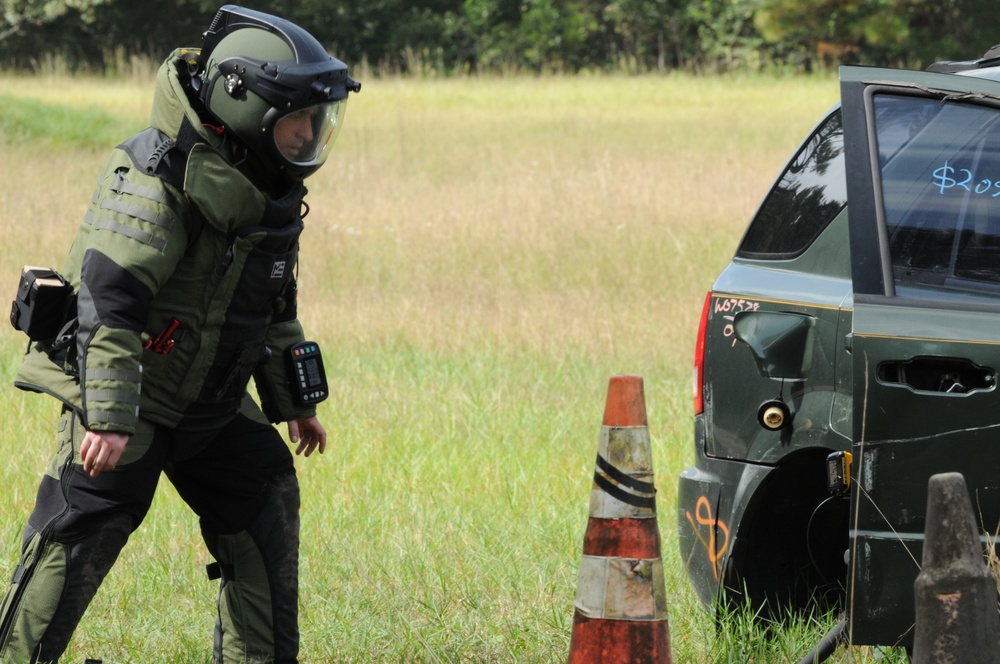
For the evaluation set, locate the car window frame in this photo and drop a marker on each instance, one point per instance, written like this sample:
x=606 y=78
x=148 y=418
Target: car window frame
x=759 y=217
x=871 y=263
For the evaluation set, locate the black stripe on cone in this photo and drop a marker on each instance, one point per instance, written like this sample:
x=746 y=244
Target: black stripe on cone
x=620 y=612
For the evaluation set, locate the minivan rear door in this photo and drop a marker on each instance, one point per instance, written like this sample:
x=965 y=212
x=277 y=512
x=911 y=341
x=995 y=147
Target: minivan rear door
x=923 y=179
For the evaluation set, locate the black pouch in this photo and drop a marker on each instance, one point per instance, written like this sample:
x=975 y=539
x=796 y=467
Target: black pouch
x=39 y=309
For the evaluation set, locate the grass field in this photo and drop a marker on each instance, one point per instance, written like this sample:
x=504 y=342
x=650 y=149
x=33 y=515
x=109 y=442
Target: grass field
x=480 y=258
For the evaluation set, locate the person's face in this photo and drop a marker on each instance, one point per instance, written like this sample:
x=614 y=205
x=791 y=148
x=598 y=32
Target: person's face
x=303 y=138
x=293 y=132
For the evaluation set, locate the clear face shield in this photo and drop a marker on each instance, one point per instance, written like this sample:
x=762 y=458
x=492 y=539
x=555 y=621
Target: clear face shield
x=304 y=137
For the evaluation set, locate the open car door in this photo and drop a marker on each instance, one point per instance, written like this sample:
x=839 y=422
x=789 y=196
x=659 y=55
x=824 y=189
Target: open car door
x=923 y=174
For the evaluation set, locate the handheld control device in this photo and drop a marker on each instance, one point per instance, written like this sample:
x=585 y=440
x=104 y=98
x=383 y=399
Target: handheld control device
x=305 y=365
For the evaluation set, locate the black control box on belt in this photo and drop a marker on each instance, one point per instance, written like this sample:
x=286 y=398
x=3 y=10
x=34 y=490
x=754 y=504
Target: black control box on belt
x=305 y=366
x=39 y=309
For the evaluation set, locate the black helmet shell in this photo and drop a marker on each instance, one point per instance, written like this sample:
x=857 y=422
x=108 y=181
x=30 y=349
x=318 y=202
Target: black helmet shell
x=261 y=69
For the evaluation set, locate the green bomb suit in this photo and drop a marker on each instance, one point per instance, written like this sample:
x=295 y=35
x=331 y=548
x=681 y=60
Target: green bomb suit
x=173 y=233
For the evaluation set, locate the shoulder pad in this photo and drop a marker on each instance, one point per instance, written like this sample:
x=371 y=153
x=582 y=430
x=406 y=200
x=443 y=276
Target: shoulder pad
x=155 y=153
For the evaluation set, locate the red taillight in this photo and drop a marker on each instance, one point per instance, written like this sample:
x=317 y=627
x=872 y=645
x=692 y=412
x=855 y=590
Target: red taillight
x=699 y=358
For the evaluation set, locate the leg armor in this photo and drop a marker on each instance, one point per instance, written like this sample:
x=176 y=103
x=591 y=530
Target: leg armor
x=258 y=596
x=73 y=537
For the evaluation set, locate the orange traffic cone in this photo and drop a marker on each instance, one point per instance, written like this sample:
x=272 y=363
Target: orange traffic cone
x=621 y=604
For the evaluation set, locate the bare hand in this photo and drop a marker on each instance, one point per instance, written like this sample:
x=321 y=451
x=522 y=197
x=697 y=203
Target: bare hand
x=100 y=451
x=308 y=433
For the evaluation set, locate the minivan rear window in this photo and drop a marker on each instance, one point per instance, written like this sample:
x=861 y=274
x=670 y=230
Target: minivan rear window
x=940 y=183
x=810 y=193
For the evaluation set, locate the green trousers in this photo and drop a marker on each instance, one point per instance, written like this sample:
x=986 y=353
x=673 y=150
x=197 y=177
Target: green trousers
x=235 y=472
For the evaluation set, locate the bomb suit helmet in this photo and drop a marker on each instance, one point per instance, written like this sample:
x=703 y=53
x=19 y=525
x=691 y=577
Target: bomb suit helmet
x=275 y=88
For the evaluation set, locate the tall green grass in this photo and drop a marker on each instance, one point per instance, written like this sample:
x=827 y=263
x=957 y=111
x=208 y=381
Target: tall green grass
x=481 y=257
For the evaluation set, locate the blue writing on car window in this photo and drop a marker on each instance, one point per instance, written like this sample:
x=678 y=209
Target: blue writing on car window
x=948 y=177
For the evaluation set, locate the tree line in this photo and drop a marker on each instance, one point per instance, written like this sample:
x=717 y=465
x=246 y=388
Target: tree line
x=449 y=37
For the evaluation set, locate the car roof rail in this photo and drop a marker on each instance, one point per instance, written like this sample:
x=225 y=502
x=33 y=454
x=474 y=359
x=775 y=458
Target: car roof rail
x=990 y=59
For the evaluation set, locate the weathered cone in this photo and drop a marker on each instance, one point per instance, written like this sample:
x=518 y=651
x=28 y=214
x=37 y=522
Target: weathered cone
x=955 y=593
x=620 y=612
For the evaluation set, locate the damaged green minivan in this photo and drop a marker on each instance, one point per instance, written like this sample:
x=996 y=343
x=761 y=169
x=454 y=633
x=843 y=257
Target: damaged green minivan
x=850 y=351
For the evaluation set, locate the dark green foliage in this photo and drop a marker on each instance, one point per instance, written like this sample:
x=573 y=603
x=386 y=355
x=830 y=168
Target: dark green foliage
x=457 y=36
x=905 y=32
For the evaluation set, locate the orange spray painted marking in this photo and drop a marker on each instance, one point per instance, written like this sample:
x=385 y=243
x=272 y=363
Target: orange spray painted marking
x=703 y=516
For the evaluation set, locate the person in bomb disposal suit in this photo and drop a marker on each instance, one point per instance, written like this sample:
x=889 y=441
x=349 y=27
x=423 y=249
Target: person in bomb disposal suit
x=182 y=277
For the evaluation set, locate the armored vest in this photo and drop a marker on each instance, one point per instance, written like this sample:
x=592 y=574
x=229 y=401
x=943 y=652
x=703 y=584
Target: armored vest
x=184 y=273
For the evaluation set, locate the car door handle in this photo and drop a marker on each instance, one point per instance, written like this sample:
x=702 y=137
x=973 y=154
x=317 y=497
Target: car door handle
x=948 y=375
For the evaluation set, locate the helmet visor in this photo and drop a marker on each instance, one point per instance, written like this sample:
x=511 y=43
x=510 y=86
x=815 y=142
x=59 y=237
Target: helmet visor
x=304 y=137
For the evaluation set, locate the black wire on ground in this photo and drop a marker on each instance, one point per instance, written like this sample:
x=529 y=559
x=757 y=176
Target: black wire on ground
x=826 y=646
